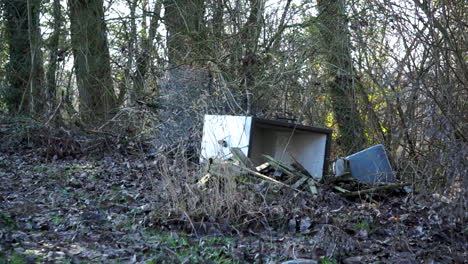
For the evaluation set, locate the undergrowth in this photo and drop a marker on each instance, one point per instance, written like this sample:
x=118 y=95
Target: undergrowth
x=223 y=197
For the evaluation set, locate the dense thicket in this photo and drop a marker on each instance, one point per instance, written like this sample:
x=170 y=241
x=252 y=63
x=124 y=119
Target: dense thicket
x=384 y=71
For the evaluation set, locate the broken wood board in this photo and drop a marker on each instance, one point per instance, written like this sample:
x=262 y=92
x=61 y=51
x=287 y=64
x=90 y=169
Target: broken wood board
x=262 y=166
x=298 y=166
x=295 y=173
x=312 y=186
x=202 y=182
x=241 y=157
x=288 y=170
x=265 y=177
x=300 y=182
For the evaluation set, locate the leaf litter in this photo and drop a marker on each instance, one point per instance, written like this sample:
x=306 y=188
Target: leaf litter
x=129 y=209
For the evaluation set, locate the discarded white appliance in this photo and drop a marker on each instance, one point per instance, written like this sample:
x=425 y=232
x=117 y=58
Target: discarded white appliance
x=284 y=141
x=370 y=166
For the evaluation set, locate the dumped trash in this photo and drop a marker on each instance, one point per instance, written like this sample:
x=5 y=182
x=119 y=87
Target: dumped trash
x=289 y=155
x=365 y=172
x=256 y=137
x=369 y=166
x=292 y=176
x=273 y=171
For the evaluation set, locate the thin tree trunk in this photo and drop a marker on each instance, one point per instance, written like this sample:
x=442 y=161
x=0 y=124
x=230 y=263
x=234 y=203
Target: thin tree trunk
x=53 y=56
x=132 y=49
x=36 y=78
x=146 y=51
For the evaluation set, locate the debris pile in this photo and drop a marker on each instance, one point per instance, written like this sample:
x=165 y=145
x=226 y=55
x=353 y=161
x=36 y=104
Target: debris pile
x=295 y=177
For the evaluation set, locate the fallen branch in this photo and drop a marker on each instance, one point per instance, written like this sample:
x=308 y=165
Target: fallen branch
x=380 y=188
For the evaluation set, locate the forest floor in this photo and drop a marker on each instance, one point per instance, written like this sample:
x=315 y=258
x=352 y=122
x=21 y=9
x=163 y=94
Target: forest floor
x=108 y=209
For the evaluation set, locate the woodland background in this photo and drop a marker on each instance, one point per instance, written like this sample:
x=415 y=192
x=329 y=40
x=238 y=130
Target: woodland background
x=82 y=77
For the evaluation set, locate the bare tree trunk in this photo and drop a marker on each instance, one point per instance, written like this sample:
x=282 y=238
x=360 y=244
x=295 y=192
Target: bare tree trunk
x=36 y=78
x=146 y=52
x=18 y=67
x=185 y=30
x=25 y=71
x=92 y=60
x=337 y=47
x=187 y=81
x=53 y=56
x=218 y=12
x=251 y=61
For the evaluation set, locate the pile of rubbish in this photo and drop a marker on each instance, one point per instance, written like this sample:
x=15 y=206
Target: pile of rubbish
x=351 y=178
x=290 y=155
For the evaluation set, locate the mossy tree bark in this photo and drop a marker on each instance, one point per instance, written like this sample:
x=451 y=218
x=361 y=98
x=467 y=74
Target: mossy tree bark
x=337 y=49
x=92 y=60
x=25 y=93
x=185 y=30
x=251 y=62
x=187 y=81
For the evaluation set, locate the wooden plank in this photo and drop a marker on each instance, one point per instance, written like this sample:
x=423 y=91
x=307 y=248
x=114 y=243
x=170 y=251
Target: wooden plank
x=241 y=157
x=300 y=182
x=262 y=166
x=312 y=186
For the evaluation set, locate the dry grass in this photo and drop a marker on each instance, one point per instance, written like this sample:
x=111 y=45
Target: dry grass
x=228 y=197
x=223 y=197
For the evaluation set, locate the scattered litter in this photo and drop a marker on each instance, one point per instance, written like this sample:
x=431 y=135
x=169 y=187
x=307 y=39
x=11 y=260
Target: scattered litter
x=290 y=155
x=441 y=198
x=292 y=177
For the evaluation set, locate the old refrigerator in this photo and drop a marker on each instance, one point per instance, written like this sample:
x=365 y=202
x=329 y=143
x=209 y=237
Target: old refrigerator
x=284 y=141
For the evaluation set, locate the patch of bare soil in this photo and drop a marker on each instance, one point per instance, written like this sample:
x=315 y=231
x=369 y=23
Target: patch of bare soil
x=115 y=209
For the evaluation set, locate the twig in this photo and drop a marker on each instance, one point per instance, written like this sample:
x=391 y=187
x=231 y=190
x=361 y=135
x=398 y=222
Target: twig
x=54 y=113
x=191 y=223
